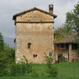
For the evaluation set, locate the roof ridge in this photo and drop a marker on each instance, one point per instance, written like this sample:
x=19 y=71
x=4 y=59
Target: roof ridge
x=32 y=9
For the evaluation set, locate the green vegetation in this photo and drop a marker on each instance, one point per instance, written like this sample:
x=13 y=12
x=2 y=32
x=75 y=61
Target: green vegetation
x=71 y=24
x=20 y=69
x=7 y=56
x=70 y=28
x=72 y=21
x=1 y=43
x=65 y=71
x=10 y=70
x=52 y=71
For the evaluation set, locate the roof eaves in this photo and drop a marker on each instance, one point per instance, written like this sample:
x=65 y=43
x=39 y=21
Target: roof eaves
x=14 y=17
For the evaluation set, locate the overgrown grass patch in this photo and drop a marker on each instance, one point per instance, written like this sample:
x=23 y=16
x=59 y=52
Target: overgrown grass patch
x=65 y=71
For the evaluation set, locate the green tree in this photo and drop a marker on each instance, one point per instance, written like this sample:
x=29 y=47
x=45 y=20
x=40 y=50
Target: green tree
x=72 y=21
x=7 y=56
x=62 y=32
x=1 y=53
x=71 y=24
x=1 y=43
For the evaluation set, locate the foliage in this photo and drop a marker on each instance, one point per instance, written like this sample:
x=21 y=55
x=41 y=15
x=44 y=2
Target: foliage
x=18 y=69
x=51 y=69
x=49 y=59
x=58 y=33
x=70 y=27
x=2 y=66
x=72 y=18
x=21 y=69
x=1 y=43
x=28 y=65
x=65 y=70
x=62 y=31
x=72 y=21
x=7 y=56
x=71 y=24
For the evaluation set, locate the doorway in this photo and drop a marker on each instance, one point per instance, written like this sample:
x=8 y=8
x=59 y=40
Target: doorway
x=61 y=58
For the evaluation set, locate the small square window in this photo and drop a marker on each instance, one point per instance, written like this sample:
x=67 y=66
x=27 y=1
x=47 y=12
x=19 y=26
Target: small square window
x=29 y=45
x=50 y=53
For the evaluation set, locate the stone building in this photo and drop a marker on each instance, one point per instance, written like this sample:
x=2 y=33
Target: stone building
x=34 y=35
x=65 y=48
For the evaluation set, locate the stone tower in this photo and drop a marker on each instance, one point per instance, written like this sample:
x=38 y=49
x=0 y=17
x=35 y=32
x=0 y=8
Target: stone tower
x=34 y=35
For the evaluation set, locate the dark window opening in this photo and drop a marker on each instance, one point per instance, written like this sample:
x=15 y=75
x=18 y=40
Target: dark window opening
x=63 y=46
x=50 y=54
x=74 y=46
x=29 y=45
x=61 y=58
x=34 y=55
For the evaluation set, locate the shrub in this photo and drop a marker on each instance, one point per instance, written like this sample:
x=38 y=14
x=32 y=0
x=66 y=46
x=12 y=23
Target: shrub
x=28 y=68
x=52 y=71
x=34 y=73
x=18 y=69
x=28 y=65
x=2 y=70
x=21 y=68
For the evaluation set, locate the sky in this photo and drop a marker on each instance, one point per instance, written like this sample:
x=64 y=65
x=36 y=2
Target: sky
x=8 y=8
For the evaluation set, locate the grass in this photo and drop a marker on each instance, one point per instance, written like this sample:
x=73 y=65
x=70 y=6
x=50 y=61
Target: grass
x=68 y=70
x=65 y=71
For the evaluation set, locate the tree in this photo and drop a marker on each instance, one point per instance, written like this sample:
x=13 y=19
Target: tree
x=70 y=27
x=1 y=43
x=72 y=21
x=62 y=32
x=7 y=56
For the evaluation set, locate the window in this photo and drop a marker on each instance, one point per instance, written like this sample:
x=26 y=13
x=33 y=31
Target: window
x=50 y=53
x=29 y=45
x=62 y=46
x=74 y=46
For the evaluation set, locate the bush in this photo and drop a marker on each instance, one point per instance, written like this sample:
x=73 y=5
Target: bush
x=18 y=69
x=34 y=73
x=28 y=68
x=6 y=58
x=28 y=65
x=2 y=70
x=52 y=71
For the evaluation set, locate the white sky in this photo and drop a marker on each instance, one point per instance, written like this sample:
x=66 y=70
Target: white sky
x=10 y=7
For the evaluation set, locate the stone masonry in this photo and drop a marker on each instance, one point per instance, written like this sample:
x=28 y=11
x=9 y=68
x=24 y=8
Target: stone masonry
x=34 y=35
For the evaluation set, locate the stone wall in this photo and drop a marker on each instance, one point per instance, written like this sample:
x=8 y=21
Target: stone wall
x=40 y=35
x=34 y=16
